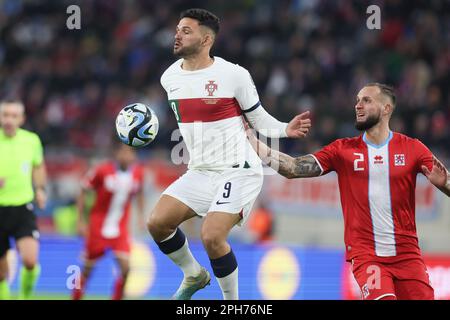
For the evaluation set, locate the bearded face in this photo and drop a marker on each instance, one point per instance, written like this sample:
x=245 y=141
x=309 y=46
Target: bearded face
x=367 y=122
x=188 y=38
x=368 y=108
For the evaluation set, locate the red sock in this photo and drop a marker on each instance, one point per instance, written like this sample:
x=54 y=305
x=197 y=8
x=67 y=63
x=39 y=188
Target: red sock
x=77 y=293
x=119 y=287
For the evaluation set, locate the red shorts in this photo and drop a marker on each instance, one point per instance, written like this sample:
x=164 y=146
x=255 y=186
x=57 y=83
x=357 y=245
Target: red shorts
x=403 y=280
x=96 y=246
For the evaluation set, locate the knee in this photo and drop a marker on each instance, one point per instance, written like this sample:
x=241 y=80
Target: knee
x=29 y=263
x=155 y=225
x=159 y=228
x=212 y=241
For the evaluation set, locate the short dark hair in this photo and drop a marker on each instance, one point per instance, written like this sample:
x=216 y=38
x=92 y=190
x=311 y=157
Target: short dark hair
x=12 y=100
x=385 y=89
x=204 y=18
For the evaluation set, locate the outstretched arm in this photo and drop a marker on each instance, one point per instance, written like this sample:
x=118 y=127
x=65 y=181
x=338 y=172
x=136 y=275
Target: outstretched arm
x=264 y=123
x=439 y=176
x=247 y=96
x=300 y=167
x=287 y=166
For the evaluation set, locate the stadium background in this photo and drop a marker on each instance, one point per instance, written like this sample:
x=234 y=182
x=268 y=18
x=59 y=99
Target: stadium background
x=311 y=54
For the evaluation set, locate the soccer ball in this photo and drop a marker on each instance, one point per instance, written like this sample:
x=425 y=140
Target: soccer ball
x=137 y=125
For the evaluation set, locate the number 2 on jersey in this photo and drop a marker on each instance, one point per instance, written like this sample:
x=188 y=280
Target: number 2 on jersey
x=357 y=161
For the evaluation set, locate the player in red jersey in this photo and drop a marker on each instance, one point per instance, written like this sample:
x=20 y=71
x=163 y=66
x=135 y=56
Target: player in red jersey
x=377 y=178
x=115 y=183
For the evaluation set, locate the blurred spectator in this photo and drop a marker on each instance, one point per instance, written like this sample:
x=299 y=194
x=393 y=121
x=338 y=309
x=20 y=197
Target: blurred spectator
x=261 y=224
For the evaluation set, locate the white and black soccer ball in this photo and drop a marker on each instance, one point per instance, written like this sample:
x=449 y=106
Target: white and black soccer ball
x=137 y=125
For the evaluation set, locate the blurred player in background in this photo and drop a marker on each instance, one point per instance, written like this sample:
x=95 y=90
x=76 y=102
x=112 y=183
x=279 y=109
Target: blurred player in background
x=114 y=182
x=21 y=168
x=208 y=96
x=377 y=178
x=261 y=224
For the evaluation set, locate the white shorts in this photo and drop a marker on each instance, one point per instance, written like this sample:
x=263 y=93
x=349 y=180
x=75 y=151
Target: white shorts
x=233 y=191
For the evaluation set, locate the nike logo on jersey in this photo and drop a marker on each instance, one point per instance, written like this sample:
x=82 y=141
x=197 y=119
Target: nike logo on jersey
x=218 y=202
x=173 y=89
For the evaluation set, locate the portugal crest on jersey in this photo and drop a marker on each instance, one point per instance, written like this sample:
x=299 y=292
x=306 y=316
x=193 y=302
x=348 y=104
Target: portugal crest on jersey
x=211 y=87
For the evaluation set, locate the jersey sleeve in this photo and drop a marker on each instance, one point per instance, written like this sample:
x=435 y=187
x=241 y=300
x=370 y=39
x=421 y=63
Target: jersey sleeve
x=327 y=157
x=245 y=92
x=168 y=73
x=424 y=156
x=93 y=179
x=162 y=80
x=38 y=154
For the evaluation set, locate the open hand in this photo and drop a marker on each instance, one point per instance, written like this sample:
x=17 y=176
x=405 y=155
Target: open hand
x=437 y=175
x=299 y=126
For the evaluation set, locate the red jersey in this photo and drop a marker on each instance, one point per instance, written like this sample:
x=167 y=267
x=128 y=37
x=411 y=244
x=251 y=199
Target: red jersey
x=114 y=189
x=377 y=189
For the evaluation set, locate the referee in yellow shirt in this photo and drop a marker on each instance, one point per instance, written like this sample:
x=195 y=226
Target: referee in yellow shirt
x=22 y=180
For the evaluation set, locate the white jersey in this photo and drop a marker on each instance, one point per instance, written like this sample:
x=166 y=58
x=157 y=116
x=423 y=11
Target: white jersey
x=208 y=105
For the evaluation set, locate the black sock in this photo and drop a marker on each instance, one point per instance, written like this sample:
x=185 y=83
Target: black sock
x=174 y=243
x=225 y=265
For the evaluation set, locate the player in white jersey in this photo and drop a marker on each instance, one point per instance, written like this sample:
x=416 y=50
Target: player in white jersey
x=209 y=96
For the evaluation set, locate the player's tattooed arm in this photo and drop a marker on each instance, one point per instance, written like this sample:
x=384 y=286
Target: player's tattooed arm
x=300 y=167
x=289 y=167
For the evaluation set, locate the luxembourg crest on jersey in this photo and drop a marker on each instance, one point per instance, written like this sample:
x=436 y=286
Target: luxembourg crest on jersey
x=399 y=159
x=211 y=87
